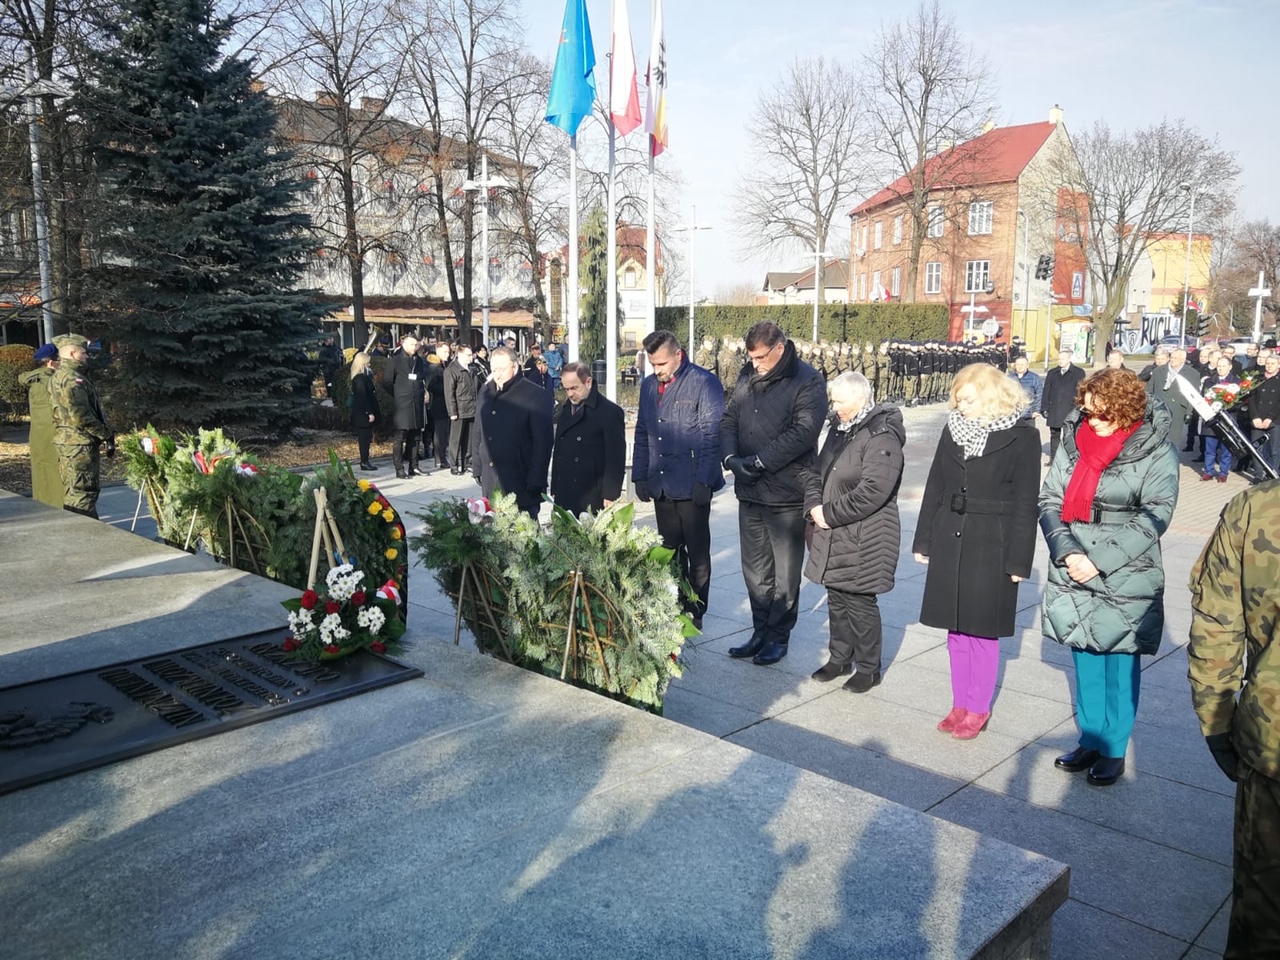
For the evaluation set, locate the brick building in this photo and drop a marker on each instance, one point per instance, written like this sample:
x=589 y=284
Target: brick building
x=993 y=207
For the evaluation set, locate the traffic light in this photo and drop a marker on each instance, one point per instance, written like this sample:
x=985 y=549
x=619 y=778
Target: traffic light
x=1202 y=325
x=1044 y=267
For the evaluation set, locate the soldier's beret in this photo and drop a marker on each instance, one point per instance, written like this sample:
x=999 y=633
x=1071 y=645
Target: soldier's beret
x=70 y=340
x=47 y=352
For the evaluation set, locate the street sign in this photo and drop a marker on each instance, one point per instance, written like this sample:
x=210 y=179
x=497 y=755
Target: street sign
x=990 y=327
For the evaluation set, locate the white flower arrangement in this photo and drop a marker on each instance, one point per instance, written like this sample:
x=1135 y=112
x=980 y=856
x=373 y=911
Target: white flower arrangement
x=371 y=619
x=343 y=581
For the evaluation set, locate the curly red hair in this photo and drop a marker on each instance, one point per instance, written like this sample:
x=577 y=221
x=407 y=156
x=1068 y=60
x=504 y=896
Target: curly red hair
x=1118 y=394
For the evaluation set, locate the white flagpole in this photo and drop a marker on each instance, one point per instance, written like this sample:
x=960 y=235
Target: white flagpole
x=611 y=268
x=650 y=256
x=575 y=337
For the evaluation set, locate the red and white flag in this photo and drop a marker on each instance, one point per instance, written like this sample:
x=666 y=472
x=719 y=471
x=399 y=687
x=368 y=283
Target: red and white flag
x=624 y=94
x=655 y=121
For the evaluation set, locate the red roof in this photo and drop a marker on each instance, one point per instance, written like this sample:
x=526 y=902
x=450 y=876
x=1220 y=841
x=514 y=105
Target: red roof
x=998 y=156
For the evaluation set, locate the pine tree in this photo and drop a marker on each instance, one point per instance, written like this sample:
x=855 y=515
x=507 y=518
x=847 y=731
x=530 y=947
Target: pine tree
x=203 y=246
x=594 y=279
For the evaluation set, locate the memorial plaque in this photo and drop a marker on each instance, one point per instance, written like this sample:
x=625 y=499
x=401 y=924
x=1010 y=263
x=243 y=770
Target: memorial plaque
x=62 y=725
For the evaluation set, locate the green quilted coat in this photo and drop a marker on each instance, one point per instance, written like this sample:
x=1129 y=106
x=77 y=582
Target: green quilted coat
x=1122 y=609
x=46 y=484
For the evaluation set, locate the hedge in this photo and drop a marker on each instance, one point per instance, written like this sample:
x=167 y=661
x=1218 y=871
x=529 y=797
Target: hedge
x=15 y=360
x=837 y=322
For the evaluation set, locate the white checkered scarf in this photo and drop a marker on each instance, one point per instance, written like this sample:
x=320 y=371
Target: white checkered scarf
x=971 y=435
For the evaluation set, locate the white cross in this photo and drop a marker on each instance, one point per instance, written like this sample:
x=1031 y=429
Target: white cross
x=972 y=311
x=1259 y=291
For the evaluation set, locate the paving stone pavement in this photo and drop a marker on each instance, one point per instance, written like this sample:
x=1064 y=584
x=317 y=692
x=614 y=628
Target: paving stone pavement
x=1150 y=857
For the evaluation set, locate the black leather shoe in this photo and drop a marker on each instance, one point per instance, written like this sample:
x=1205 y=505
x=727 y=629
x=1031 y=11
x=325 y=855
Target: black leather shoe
x=1106 y=771
x=367 y=466
x=1078 y=759
x=830 y=671
x=413 y=472
x=748 y=649
x=770 y=654
x=697 y=621
x=401 y=475
x=862 y=682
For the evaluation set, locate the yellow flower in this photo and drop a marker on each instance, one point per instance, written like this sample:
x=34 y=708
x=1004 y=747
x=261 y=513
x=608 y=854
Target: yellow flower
x=391 y=553
x=395 y=533
x=388 y=515
x=363 y=484
x=375 y=508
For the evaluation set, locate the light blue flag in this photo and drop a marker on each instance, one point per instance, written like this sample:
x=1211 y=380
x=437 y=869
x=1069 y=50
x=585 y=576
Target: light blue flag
x=573 y=82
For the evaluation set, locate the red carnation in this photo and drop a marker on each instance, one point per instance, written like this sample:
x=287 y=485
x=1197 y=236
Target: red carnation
x=378 y=646
x=358 y=598
x=290 y=644
x=309 y=600
x=333 y=648
x=332 y=606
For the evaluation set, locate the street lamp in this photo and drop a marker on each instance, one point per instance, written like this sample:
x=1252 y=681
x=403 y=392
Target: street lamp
x=485 y=184
x=819 y=277
x=691 y=229
x=1186 y=287
x=1026 y=273
x=32 y=92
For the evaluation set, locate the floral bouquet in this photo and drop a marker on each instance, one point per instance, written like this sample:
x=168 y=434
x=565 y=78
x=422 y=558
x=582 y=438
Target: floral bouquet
x=1229 y=396
x=344 y=618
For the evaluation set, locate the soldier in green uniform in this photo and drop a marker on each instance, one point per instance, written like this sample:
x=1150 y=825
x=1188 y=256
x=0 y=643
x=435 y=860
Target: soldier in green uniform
x=46 y=484
x=1235 y=651
x=78 y=427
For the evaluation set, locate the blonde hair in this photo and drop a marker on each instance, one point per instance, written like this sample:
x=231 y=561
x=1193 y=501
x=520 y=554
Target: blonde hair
x=998 y=395
x=359 y=363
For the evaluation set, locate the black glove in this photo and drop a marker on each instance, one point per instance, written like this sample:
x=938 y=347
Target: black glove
x=743 y=471
x=1224 y=755
x=642 y=491
x=701 y=495
x=111 y=448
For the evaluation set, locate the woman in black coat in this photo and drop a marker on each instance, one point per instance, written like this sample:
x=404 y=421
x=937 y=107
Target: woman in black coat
x=364 y=406
x=977 y=532
x=851 y=501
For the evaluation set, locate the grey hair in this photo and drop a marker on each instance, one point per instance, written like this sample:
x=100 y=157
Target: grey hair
x=852 y=383
x=1162 y=351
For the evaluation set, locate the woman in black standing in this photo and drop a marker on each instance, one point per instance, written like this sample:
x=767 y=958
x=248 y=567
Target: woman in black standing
x=364 y=406
x=977 y=533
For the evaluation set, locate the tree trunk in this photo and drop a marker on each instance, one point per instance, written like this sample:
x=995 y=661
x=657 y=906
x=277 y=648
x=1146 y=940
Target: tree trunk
x=353 y=251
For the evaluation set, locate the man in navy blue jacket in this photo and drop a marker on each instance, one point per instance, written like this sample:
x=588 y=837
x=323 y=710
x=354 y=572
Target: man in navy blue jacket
x=676 y=459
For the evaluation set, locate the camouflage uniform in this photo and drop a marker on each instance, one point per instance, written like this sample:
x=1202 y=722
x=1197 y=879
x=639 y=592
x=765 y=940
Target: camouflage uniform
x=1235 y=648
x=78 y=428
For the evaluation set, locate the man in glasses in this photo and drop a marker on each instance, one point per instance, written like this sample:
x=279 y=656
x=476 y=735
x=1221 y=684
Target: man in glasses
x=768 y=437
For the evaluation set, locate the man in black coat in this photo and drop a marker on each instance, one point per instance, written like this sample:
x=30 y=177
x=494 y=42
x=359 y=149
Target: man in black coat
x=437 y=425
x=1059 y=397
x=512 y=440
x=460 y=401
x=1264 y=413
x=405 y=379
x=768 y=438
x=590 y=453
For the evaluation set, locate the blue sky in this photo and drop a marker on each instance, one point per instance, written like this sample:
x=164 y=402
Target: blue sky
x=1130 y=62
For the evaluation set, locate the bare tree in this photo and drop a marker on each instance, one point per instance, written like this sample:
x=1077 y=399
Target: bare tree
x=1255 y=247
x=1123 y=187
x=741 y=294
x=336 y=59
x=806 y=160
x=927 y=93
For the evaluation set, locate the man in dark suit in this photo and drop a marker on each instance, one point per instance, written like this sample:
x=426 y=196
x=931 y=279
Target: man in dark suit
x=460 y=401
x=405 y=379
x=1059 y=397
x=513 y=435
x=590 y=453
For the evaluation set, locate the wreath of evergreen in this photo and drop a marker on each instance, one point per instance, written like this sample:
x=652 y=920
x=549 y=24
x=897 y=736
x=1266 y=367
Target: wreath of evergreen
x=629 y=630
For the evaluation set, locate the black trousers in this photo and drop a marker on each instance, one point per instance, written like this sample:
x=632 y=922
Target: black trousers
x=1254 y=929
x=856 y=633
x=404 y=442
x=441 y=441
x=1055 y=437
x=771 y=542
x=685 y=528
x=460 y=441
x=364 y=437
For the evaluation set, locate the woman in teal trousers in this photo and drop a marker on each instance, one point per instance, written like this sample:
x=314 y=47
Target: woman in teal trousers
x=1108 y=498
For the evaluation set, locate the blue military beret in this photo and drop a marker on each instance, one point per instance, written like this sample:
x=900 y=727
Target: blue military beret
x=47 y=352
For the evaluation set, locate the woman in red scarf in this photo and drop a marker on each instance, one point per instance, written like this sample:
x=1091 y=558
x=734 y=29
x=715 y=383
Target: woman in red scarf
x=1103 y=508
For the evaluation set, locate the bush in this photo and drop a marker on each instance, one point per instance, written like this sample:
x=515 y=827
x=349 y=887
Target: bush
x=837 y=322
x=15 y=360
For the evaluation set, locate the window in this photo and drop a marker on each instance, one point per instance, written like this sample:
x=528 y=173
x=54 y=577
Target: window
x=862 y=286
x=977 y=273
x=933 y=277
x=877 y=291
x=897 y=229
x=897 y=280
x=879 y=234
x=629 y=278
x=863 y=244
x=980 y=217
x=935 y=222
